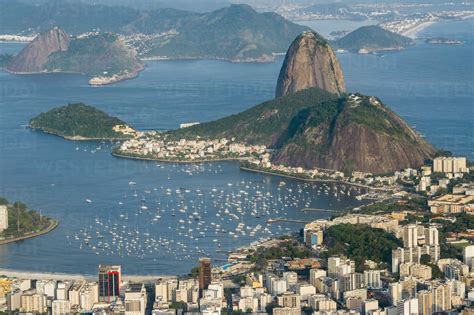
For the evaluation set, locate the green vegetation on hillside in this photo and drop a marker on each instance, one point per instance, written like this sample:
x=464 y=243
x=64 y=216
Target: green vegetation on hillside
x=406 y=204
x=22 y=220
x=236 y=32
x=314 y=128
x=361 y=242
x=73 y=16
x=94 y=55
x=372 y=37
x=375 y=117
x=289 y=248
x=78 y=120
x=269 y=123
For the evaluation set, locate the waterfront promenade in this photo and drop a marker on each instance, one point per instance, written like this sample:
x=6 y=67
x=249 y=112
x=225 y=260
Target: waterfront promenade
x=334 y=181
x=52 y=225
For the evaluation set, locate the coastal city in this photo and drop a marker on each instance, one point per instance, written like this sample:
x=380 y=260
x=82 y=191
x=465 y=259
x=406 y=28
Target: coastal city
x=404 y=260
x=230 y=157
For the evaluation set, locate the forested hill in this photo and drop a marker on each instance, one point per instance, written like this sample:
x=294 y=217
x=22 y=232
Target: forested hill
x=236 y=32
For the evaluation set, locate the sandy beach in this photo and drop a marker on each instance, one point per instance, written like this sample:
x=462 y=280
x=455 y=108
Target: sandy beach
x=415 y=30
x=62 y=276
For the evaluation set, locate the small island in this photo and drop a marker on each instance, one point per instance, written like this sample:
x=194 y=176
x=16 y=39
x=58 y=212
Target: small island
x=19 y=223
x=82 y=122
x=372 y=38
x=443 y=41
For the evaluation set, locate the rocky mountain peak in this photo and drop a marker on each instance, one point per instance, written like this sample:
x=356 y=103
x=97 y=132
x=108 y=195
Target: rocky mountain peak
x=35 y=55
x=310 y=62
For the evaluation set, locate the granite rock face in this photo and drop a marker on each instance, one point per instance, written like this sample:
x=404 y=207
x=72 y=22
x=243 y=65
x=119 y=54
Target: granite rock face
x=34 y=56
x=310 y=62
x=363 y=135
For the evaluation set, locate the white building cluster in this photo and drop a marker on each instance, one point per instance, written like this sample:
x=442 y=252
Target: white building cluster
x=188 y=150
x=169 y=292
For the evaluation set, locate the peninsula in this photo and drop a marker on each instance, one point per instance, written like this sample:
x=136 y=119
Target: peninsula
x=81 y=122
x=19 y=223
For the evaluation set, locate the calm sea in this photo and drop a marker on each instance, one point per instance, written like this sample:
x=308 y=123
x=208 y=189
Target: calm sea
x=431 y=86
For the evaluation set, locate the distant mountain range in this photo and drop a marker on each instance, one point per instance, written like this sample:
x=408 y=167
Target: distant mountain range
x=236 y=33
x=372 y=38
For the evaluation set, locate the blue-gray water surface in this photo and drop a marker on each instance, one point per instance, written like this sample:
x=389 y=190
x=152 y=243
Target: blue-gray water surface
x=150 y=227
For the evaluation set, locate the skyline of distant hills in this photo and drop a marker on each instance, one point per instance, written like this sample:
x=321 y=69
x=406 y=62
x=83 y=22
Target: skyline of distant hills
x=236 y=32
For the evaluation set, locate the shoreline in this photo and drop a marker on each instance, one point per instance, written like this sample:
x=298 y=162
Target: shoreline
x=41 y=275
x=53 y=225
x=109 y=81
x=415 y=30
x=335 y=181
x=74 y=138
x=118 y=155
x=263 y=59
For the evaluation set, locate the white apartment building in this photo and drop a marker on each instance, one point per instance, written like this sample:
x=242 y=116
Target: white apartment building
x=3 y=218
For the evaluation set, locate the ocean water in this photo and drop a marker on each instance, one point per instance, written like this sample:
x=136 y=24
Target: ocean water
x=431 y=86
x=325 y=27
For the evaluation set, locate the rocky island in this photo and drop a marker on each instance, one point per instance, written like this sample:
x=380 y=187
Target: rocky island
x=81 y=122
x=372 y=38
x=102 y=56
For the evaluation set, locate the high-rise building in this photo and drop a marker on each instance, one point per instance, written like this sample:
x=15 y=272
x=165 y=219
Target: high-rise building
x=60 y=307
x=3 y=218
x=372 y=279
x=450 y=165
x=165 y=290
x=33 y=303
x=468 y=254
x=352 y=281
x=338 y=267
x=289 y=299
x=395 y=290
x=441 y=297
x=315 y=274
x=431 y=236
x=410 y=236
x=205 y=277
x=407 y=307
x=425 y=302
x=135 y=299
x=109 y=282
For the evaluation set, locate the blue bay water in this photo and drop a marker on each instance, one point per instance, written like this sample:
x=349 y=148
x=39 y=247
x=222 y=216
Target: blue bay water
x=431 y=86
